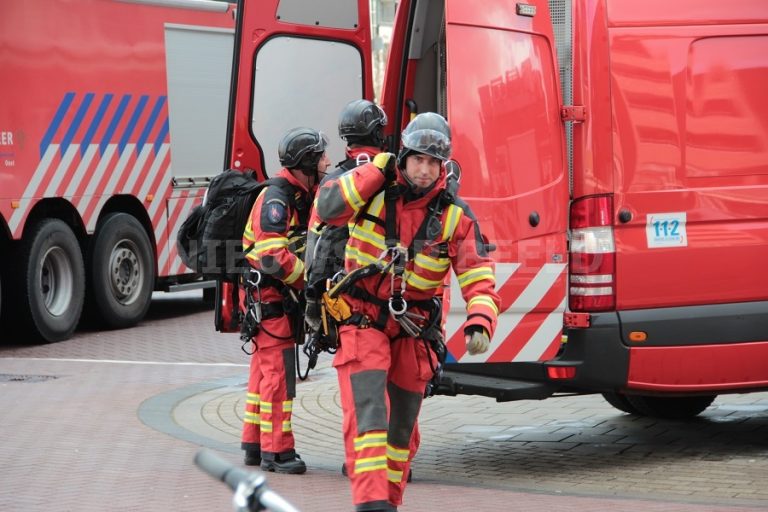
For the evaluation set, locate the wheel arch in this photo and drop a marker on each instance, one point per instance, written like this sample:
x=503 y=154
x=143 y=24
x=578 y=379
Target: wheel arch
x=57 y=208
x=132 y=206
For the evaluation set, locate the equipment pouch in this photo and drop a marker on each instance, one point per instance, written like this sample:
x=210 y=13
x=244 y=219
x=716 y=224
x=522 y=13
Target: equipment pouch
x=336 y=308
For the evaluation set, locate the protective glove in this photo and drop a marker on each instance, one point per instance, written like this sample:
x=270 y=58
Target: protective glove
x=477 y=339
x=382 y=159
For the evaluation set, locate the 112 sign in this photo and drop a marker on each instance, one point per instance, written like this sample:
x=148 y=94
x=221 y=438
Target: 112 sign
x=666 y=230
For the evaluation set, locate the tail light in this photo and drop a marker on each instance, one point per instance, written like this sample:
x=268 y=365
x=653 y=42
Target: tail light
x=593 y=255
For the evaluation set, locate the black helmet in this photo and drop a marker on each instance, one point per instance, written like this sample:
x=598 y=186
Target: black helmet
x=302 y=148
x=362 y=122
x=427 y=133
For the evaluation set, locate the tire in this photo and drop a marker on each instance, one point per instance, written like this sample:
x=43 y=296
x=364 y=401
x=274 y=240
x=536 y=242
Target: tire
x=671 y=408
x=122 y=271
x=620 y=402
x=52 y=281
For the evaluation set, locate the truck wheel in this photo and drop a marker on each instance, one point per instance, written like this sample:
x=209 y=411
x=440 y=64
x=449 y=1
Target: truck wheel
x=122 y=271
x=52 y=278
x=671 y=408
x=620 y=402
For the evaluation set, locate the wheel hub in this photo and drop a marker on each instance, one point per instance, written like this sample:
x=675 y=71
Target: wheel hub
x=126 y=272
x=56 y=281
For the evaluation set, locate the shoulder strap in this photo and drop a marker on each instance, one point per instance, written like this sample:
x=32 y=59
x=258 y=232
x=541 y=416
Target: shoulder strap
x=431 y=227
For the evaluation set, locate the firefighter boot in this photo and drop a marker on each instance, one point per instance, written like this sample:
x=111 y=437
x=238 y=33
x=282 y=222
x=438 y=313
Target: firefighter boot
x=284 y=462
x=252 y=454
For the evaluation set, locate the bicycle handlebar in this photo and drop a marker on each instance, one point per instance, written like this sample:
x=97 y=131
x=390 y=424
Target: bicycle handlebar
x=251 y=490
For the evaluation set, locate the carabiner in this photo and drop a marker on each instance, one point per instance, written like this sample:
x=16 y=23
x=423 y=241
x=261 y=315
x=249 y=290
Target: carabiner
x=395 y=311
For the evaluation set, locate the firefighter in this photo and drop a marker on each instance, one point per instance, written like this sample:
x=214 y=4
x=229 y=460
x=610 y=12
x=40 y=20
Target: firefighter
x=361 y=126
x=403 y=241
x=276 y=230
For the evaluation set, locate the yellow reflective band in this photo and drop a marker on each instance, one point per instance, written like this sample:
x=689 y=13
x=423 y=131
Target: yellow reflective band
x=370 y=440
x=298 y=271
x=374 y=210
x=287 y=426
x=475 y=275
x=271 y=243
x=351 y=194
x=266 y=426
x=451 y=221
x=394 y=476
x=397 y=454
x=288 y=406
x=370 y=237
x=248 y=230
x=483 y=300
x=266 y=407
x=371 y=464
x=251 y=417
x=431 y=264
x=252 y=398
x=421 y=283
x=360 y=257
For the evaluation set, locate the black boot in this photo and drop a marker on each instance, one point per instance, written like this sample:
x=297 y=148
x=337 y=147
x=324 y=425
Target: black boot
x=252 y=454
x=285 y=462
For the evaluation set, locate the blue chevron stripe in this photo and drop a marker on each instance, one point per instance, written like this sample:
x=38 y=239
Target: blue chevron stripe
x=132 y=122
x=67 y=140
x=105 y=101
x=161 y=136
x=54 y=126
x=116 y=117
x=150 y=123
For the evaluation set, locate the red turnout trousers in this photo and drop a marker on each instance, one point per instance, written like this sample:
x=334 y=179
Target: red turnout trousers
x=382 y=382
x=271 y=389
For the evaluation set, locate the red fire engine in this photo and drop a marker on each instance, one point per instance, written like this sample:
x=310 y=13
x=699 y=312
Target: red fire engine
x=615 y=152
x=113 y=115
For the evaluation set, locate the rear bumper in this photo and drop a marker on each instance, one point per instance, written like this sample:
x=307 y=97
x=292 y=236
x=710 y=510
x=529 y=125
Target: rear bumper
x=690 y=350
x=722 y=347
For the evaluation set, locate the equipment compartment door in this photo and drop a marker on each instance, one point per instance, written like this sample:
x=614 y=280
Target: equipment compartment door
x=503 y=105
x=297 y=64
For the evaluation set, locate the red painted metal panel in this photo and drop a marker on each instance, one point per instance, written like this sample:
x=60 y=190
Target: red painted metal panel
x=691 y=142
x=699 y=368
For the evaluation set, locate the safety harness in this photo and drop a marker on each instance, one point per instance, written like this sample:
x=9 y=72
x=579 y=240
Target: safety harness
x=412 y=324
x=292 y=303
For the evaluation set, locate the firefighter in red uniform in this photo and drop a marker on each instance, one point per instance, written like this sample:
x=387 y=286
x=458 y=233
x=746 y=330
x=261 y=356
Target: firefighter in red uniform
x=361 y=126
x=383 y=365
x=276 y=230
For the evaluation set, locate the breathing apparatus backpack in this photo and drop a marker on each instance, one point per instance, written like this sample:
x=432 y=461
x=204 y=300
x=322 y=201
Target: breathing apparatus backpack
x=209 y=241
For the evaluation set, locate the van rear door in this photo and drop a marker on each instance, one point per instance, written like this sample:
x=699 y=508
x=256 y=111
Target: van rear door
x=297 y=64
x=490 y=67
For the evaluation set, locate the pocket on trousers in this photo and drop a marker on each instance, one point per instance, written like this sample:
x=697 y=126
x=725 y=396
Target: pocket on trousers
x=424 y=356
x=349 y=337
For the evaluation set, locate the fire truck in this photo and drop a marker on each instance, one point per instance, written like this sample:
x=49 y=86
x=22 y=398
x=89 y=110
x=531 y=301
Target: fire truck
x=615 y=152
x=112 y=120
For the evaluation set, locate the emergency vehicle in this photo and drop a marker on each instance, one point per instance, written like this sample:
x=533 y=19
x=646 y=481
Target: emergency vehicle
x=615 y=152
x=112 y=120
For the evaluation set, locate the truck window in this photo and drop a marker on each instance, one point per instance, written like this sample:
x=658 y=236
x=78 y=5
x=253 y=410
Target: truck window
x=318 y=69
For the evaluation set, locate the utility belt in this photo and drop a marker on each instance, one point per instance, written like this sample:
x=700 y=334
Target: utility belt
x=336 y=312
x=257 y=310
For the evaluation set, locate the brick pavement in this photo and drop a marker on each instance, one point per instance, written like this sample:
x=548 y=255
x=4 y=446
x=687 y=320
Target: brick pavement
x=117 y=428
